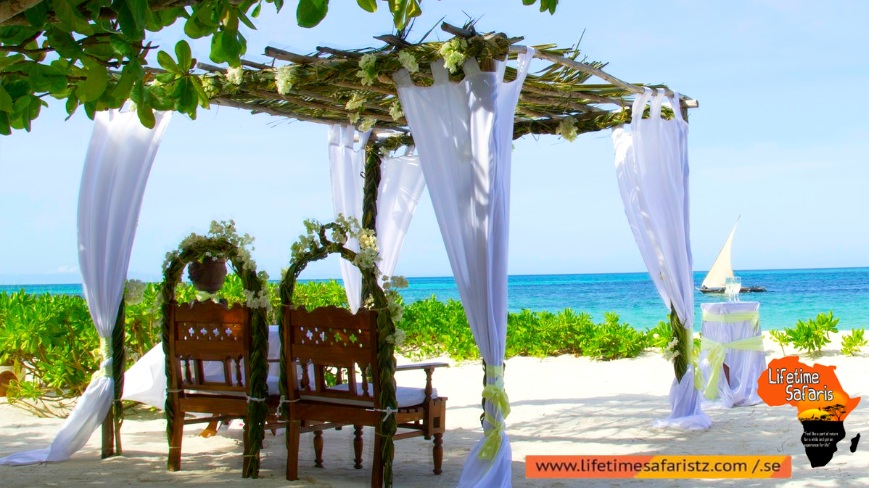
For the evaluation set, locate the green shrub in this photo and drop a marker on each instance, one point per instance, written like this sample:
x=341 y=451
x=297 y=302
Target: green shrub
x=435 y=328
x=851 y=343
x=812 y=335
x=53 y=339
x=659 y=336
x=614 y=340
x=781 y=338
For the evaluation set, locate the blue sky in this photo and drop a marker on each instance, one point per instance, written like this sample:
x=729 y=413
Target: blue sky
x=780 y=138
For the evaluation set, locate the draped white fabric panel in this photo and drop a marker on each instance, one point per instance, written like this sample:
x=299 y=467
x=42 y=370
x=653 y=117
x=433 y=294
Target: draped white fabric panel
x=401 y=185
x=464 y=135
x=651 y=162
x=115 y=173
x=347 y=164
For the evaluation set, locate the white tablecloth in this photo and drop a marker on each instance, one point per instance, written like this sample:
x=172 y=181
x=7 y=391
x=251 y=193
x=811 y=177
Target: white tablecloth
x=145 y=381
x=725 y=323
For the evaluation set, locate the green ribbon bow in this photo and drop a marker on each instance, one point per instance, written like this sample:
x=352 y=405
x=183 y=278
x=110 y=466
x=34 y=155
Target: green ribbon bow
x=496 y=396
x=716 y=354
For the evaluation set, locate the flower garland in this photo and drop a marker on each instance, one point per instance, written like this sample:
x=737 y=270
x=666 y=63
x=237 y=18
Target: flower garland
x=315 y=245
x=367 y=70
x=223 y=242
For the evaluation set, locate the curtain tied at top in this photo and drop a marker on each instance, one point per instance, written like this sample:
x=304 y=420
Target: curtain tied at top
x=651 y=160
x=464 y=135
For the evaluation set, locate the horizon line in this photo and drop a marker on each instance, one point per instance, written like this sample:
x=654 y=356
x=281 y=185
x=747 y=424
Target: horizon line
x=510 y=275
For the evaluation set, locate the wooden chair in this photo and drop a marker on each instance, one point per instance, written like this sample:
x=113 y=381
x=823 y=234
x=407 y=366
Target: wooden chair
x=332 y=341
x=203 y=335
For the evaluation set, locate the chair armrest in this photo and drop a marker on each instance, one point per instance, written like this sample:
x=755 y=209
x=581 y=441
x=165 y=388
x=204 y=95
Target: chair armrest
x=415 y=366
x=429 y=369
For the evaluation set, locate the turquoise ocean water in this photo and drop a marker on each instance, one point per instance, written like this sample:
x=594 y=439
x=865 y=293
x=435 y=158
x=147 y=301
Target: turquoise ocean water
x=791 y=295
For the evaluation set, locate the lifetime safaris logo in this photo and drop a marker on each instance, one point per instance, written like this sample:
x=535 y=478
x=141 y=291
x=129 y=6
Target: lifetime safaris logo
x=821 y=402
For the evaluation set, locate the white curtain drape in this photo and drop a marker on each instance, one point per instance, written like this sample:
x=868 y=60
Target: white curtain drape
x=116 y=170
x=401 y=185
x=651 y=162
x=347 y=165
x=464 y=134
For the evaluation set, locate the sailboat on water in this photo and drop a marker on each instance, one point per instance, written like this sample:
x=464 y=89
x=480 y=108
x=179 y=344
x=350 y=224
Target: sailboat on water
x=721 y=270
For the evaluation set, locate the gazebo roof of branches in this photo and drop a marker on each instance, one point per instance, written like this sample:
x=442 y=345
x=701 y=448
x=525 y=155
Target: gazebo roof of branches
x=355 y=87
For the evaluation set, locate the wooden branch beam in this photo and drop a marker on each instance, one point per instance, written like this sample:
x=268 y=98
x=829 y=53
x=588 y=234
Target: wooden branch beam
x=338 y=52
x=584 y=68
x=228 y=102
x=252 y=64
x=276 y=53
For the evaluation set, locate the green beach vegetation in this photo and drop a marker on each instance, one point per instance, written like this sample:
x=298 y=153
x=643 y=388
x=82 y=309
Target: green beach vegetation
x=51 y=338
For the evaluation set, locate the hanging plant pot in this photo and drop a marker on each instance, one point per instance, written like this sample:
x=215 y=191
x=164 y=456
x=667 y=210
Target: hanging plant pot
x=7 y=374
x=207 y=276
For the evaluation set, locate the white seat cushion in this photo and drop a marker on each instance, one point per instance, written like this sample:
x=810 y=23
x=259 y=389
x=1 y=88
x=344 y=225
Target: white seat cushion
x=405 y=396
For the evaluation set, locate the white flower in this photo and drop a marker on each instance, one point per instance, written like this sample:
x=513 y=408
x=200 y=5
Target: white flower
x=134 y=292
x=367 y=71
x=356 y=102
x=366 y=124
x=567 y=128
x=284 y=79
x=338 y=235
x=367 y=239
x=235 y=75
x=395 y=110
x=397 y=338
x=407 y=59
x=453 y=53
x=210 y=86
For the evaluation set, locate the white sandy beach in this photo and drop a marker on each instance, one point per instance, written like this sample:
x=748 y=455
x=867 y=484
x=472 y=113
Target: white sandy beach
x=561 y=405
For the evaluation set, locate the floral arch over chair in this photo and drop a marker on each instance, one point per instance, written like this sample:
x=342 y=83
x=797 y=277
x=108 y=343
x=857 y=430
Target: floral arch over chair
x=317 y=245
x=222 y=242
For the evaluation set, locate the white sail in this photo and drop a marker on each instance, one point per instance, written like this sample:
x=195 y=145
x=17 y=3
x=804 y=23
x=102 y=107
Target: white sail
x=721 y=269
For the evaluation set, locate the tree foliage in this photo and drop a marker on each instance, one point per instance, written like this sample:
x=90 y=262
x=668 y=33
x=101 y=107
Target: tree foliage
x=95 y=53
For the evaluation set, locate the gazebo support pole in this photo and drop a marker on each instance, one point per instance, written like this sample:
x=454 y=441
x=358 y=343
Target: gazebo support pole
x=112 y=424
x=369 y=200
x=685 y=344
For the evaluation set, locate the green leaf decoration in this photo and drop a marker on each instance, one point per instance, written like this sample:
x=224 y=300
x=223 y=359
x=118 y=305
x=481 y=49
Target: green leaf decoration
x=122 y=47
x=311 y=12
x=185 y=58
x=368 y=5
x=167 y=63
x=70 y=17
x=227 y=47
x=127 y=20
x=5 y=100
x=71 y=105
x=200 y=92
x=47 y=79
x=246 y=21
x=5 y=129
x=94 y=83
x=37 y=15
x=138 y=10
x=146 y=115
x=203 y=21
